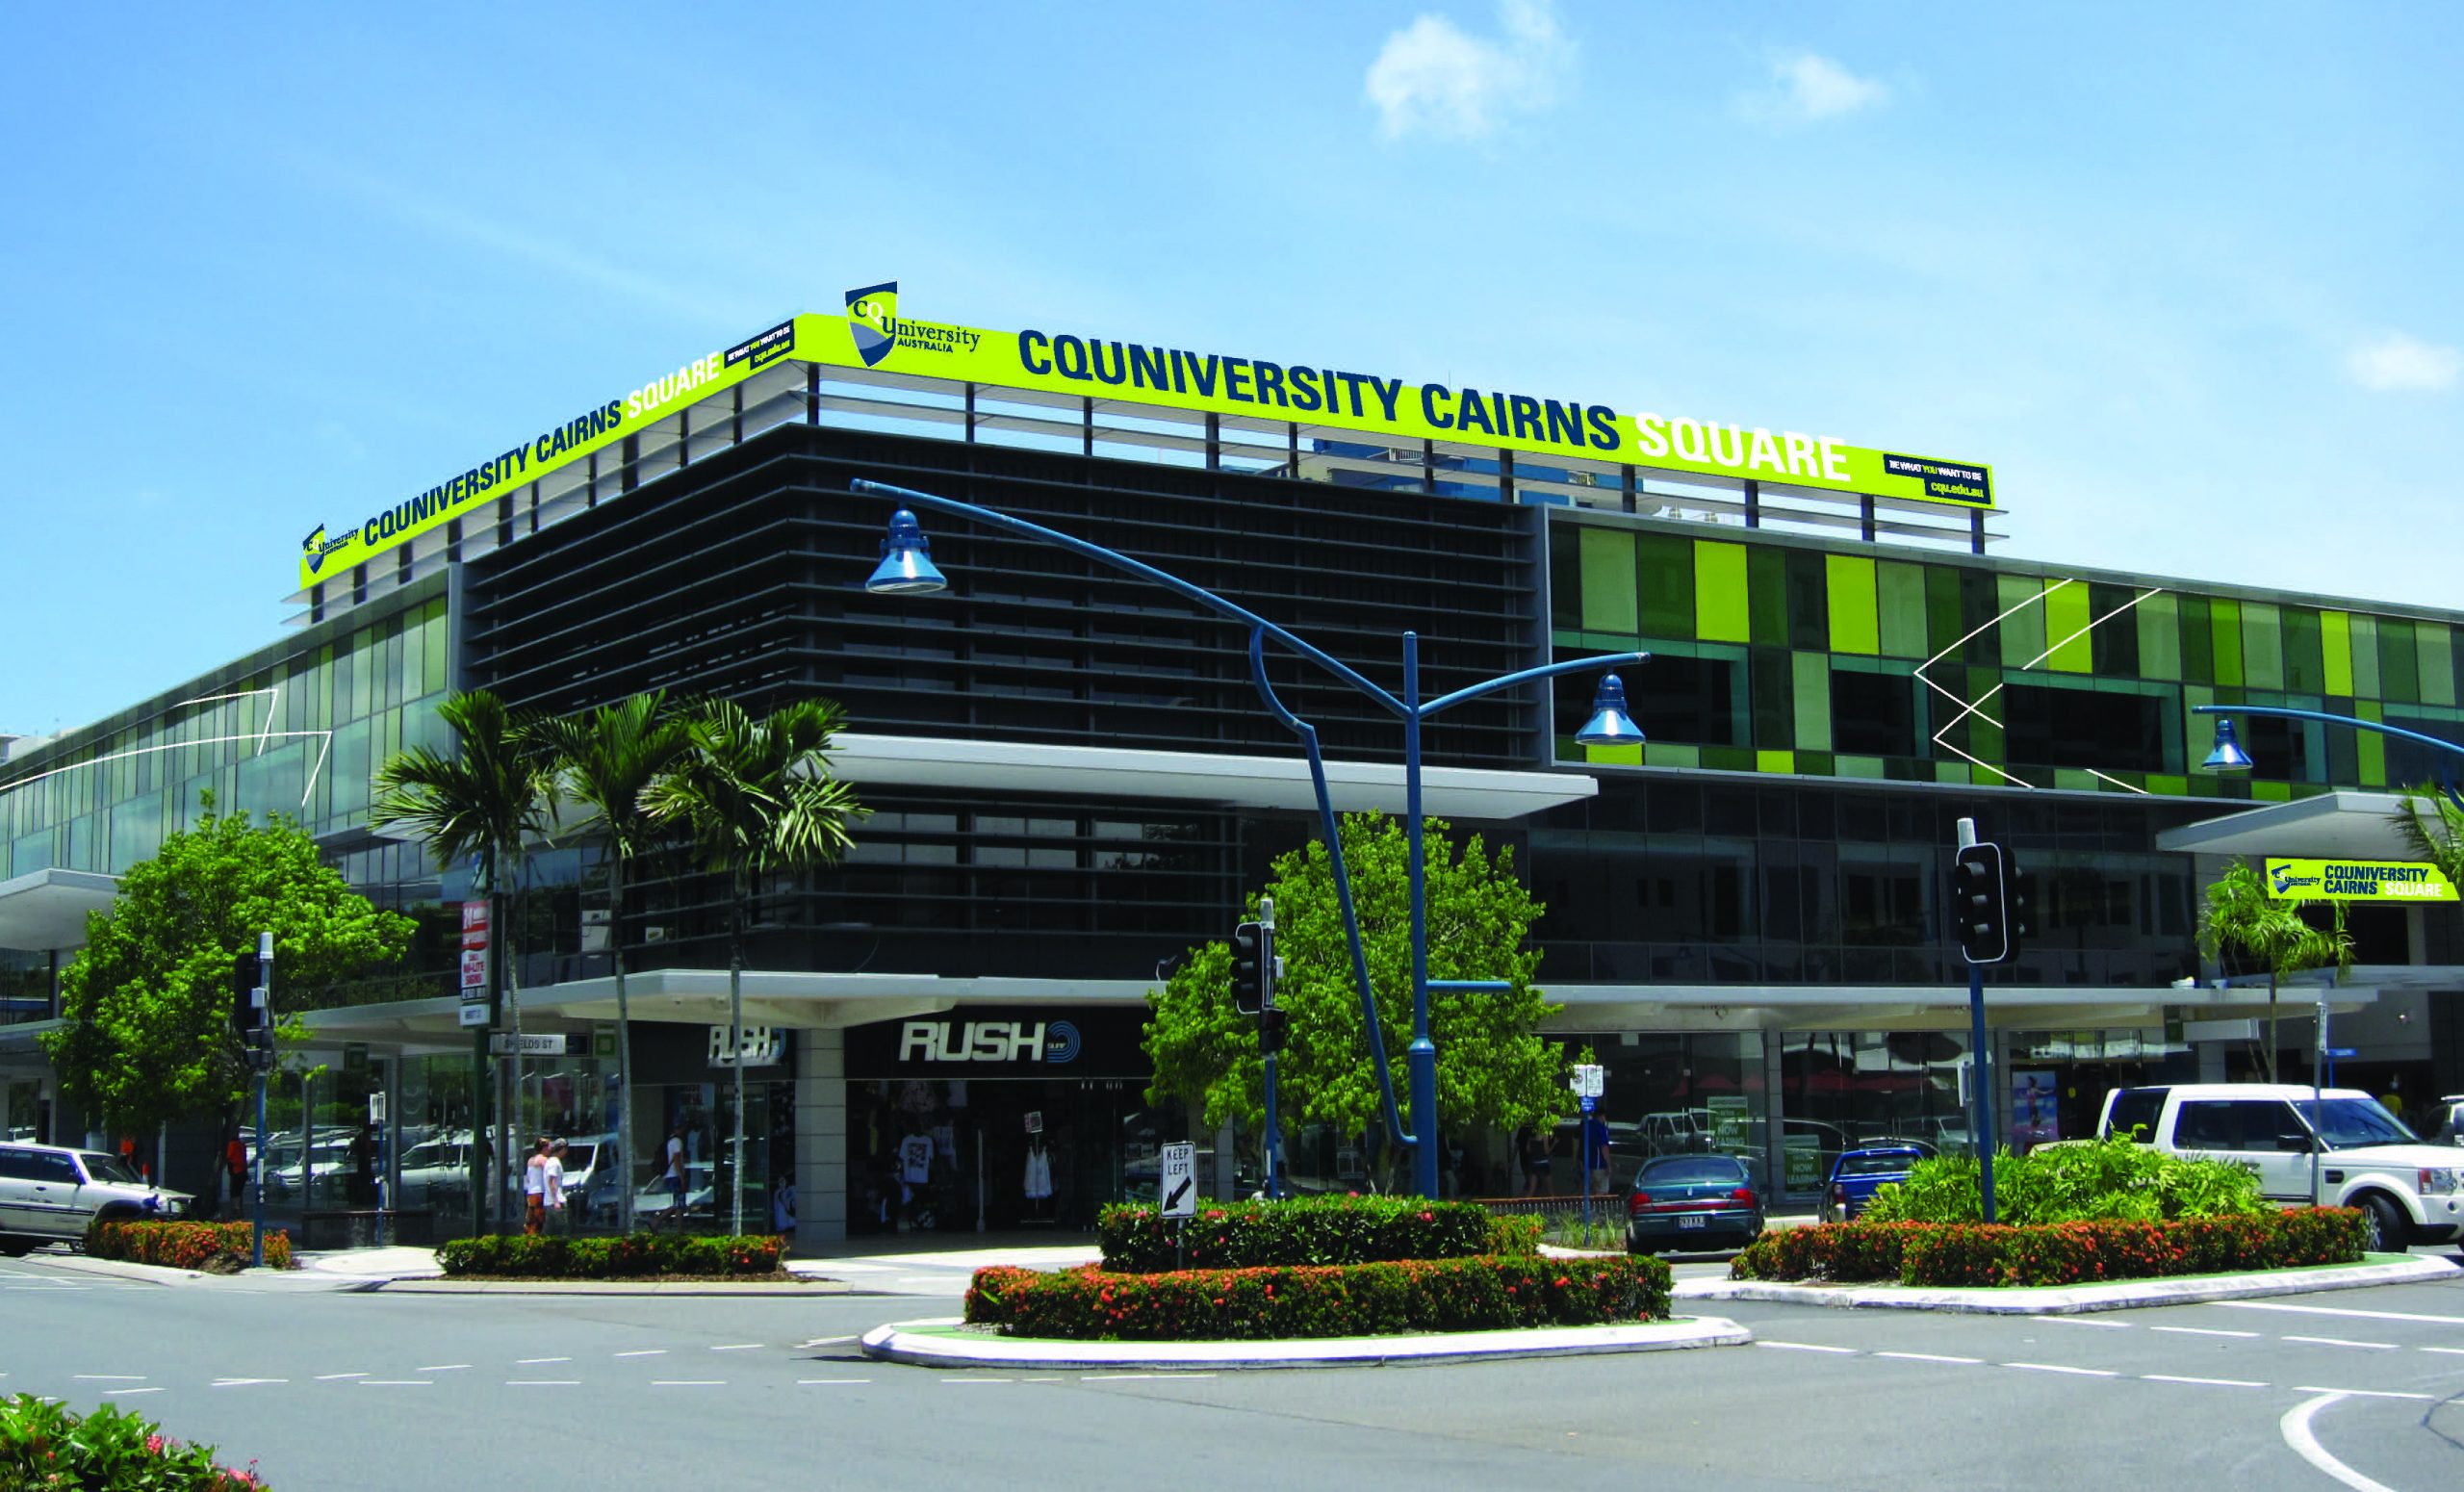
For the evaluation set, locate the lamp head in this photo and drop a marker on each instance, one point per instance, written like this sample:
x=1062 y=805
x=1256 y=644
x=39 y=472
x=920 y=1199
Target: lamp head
x=1609 y=723
x=907 y=566
x=2228 y=755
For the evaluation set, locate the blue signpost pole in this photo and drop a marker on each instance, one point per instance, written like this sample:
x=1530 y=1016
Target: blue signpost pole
x=906 y=568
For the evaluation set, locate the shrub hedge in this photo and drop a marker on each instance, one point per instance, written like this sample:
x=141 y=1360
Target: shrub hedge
x=1139 y=1240
x=2075 y=1181
x=45 y=1445
x=1487 y=1293
x=1972 y=1254
x=184 y=1245
x=635 y=1256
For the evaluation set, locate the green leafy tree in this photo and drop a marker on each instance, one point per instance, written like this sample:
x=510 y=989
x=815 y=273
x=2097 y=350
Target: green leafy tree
x=605 y=761
x=2242 y=918
x=479 y=804
x=1493 y=1068
x=754 y=799
x=148 y=1000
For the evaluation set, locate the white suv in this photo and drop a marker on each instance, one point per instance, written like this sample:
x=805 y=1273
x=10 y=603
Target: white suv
x=2361 y=1155
x=49 y=1193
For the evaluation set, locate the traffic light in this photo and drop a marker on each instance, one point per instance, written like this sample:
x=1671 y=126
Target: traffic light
x=247 y=1015
x=1253 y=967
x=1980 y=905
x=1274 y=1026
x=2019 y=920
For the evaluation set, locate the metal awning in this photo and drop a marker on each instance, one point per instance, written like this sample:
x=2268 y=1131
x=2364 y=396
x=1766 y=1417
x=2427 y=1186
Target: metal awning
x=44 y=910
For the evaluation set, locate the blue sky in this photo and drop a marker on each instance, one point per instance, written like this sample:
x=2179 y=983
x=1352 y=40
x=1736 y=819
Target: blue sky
x=2183 y=275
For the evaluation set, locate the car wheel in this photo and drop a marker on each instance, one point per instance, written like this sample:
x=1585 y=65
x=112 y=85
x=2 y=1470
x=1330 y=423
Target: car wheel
x=15 y=1247
x=2387 y=1227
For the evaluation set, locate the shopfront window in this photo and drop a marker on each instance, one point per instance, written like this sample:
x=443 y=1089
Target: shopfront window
x=1662 y=1094
x=1843 y=1090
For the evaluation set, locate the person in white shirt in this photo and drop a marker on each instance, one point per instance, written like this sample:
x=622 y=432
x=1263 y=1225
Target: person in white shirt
x=552 y=1188
x=534 y=1182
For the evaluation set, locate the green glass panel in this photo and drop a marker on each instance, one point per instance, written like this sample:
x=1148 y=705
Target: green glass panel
x=1856 y=623
x=1671 y=754
x=2199 y=641
x=1984 y=736
x=2065 y=623
x=1942 y=626
x=1767 y=597
x=2262 y=646
x=2160 y=636
x=1664 y=578
x=1725 y=604
x=2335 y=650
x=2399 y=675
x=1858 y=766
x=1608 y=581
x=1782 y=761
x=1774 y=700
x=1811 y=675
x=2224 y=624
x=2366 y=683
x=2303 y=672
x=2114 y=645
x=2437 y=643
x=1808 y=609
x=1900 y=603
x=1614 y=755
x=2022 y=629
x=2370 y=745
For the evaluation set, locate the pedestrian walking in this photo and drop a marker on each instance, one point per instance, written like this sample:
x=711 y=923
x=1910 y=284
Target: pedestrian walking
x=674 y=1180
x=1539 y=1146
x=534 y=1183
x=552 y=1189
x=1595 y=1153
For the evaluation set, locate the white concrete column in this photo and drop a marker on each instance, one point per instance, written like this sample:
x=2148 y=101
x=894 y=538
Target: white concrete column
x=821 y=1136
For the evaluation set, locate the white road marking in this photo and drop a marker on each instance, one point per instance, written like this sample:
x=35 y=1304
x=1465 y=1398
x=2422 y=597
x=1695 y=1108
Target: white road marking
x=533 y=1362
x=444 y=1367
x=107 y=1393
x=2089 y=1320
x=243 y=1382
x=648 y=1351
x=2202 y=1331
x=1806 y=1347
x=2358 y=1393
x=111 y=1378
x=809 y=1381
x=2172 y=1378
x=2377 y=1346
x=2451 y=1351
x=328 y=1378
x=826 y=1342
x=2338 y=1310
x=1969 y=1362
x=738 y=1347
x=2055 y=1366
x=2295 y=1426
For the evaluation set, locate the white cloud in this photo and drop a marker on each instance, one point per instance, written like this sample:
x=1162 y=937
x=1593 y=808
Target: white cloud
x=1432 y=77
x=2396 y=361
x=1806 y=88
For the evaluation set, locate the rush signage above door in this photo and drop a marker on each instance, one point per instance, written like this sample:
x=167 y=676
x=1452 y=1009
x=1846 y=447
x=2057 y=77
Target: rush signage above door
x=1058 y=1042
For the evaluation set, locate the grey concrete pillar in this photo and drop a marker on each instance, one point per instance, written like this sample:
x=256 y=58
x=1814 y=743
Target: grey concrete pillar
x=821 y=1136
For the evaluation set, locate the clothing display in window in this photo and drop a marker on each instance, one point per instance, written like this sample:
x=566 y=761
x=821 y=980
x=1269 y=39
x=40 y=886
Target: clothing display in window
x=1039 y=1178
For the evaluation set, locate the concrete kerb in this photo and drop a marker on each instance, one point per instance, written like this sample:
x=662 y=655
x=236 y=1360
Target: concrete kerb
x=2076 y=1299
x=928 y=1343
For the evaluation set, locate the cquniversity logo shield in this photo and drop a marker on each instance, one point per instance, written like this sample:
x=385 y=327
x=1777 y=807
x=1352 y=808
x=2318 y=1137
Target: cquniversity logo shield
x=314 y=548
x=872 y=316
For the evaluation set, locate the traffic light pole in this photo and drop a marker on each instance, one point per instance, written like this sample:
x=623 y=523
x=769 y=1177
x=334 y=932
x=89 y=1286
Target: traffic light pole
x=1270 y=1039
x=262 y=1032
x=1980 y=1055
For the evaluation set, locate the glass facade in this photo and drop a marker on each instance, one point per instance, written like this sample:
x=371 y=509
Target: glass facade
x=1780 y=657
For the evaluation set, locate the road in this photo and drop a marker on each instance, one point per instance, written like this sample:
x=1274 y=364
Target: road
x=384 y=1390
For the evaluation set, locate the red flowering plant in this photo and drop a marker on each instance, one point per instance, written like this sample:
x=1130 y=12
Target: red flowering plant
x=43 y=1444
x=1271 y=1301
x=184 y=1245
x=2084 y=1251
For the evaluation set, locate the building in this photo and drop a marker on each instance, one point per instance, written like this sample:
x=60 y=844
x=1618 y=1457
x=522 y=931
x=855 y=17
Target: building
x=1074 y=781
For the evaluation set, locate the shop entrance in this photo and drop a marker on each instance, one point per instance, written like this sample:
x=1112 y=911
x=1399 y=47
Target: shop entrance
x=996 y=1154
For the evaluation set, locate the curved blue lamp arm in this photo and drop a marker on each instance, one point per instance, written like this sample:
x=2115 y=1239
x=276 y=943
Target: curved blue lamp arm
x=1550 y=671
x=1333 y=837
x=1101 y=556
x=2446 y=780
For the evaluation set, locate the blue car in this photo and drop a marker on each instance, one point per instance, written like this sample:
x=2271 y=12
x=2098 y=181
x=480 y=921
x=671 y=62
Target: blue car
x=1857 y=1174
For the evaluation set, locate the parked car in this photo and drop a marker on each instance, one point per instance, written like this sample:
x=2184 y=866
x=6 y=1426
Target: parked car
x=1857 y=1174
x=49 y=1193
x=701 y=1195
x=436 y=1171
x=2444 y=1123
x=2293 y=1138
x=1690 y=1202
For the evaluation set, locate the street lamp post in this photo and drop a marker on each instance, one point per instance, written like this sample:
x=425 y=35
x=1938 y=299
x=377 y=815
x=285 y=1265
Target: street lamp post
x=906 y=568
x=2230 y=758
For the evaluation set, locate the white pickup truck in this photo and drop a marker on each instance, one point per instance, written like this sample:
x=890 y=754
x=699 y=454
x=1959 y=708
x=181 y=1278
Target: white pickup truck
x=2359 y=1154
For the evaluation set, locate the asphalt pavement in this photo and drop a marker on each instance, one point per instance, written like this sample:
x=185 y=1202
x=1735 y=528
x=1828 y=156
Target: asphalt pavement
x=339 y=1388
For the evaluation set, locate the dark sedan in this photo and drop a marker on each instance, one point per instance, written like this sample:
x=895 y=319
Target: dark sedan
x=1690 y=1202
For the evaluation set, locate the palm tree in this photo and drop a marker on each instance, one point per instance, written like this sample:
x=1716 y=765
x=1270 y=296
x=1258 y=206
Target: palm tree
x=477 y=804
x=605 y=761
x=756 y=799
x=2436 y=836
x=2242 y=916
